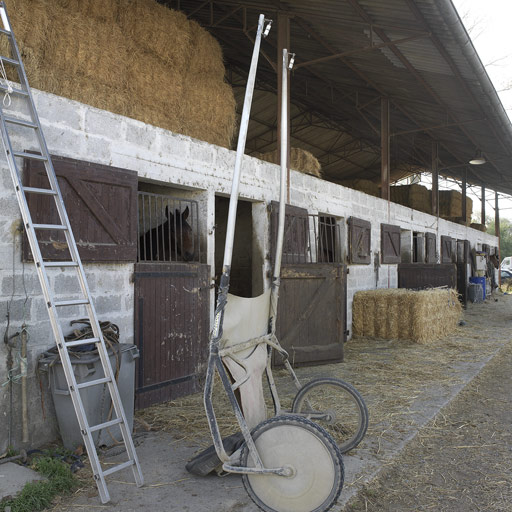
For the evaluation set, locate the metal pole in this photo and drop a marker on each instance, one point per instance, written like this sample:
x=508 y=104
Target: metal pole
x=284 y=161
x=283 y=41
x=242 y=137
x=285 y=148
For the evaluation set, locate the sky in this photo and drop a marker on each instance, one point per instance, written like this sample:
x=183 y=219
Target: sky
x=488 y=23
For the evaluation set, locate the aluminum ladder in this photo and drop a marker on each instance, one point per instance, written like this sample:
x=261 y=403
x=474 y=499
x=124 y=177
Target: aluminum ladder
x=29 y=124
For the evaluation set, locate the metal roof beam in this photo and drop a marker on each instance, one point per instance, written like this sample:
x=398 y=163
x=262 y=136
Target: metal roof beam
x=360 y=50
x=364 y=15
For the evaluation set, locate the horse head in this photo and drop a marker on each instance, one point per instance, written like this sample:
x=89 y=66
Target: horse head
x=183 y=233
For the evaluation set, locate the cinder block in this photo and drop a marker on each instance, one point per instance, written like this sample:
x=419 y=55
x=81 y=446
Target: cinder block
x=141 y=135
x=174 y=145
x=296 y=197
x=28 y=283
x=98 y=149
x=201 y=152
x=56 y=109
x=113 y=282
x=63 y=141
x=65 y=284
x=104 y=124
x=225 y=159
x=19 y=308
x=107 y=306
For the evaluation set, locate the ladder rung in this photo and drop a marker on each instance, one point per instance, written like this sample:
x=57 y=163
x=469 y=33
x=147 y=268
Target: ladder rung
x=30 y=156
x=21 y=122
x=96 y=382
x=77 y=302
x=60 y=264
x=10 y=61
x=49 y=226
x=84 y=341
x=107 y=424
x=119 y=467
x=21 y=92
x=6 y=32
x=45 y=191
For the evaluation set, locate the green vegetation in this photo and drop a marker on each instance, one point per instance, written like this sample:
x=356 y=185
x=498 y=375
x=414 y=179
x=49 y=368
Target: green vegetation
x=505 y=235
x=39 y=495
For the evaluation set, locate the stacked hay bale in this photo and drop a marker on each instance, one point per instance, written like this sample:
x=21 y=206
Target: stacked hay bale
x=300 y=160
x=450 y=206
x=414 y=196
x=132 y=57
x=421 y=316
x=366 y=186
x=480 y=227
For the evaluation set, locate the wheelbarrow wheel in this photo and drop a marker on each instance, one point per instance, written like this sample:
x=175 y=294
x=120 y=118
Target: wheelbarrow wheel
x=336 y=406
x=311 y=454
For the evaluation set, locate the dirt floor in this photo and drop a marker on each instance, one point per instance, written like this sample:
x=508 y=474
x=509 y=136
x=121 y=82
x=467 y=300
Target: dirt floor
x=462 y=460
x=437 y=438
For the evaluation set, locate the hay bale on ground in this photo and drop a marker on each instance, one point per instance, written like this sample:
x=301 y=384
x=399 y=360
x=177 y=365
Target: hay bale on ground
x=422 y=316
x=414 y=196
x=366 y=186
x=480 y=227
x=450 y=205
x=300 y=160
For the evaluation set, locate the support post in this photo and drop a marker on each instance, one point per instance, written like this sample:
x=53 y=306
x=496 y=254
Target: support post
x=435 y=178
x=496 y=216
x=384 y=144
x=283 y=41
x=482 y=199
x=464 y=195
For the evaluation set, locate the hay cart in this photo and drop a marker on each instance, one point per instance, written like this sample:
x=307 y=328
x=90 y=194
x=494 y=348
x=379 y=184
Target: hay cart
x=287 y=462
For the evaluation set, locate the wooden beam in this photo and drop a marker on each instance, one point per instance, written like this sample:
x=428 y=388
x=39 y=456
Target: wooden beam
x=464 y=194
x=384 y=143
x=496 y=215
x=435 y=178
x=482 y=199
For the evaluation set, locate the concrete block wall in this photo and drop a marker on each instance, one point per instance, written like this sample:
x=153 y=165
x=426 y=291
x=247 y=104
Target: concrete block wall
x=201 y=171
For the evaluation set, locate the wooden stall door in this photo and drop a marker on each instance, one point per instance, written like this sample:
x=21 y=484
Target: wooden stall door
x=419 y=276
x=311 y=319
x=171 y=330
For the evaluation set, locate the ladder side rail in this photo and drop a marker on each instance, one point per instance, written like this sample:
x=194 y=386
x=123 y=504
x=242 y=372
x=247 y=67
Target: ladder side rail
x=114 y=394
x=64 y=219
x=63 y=352
x=45 y=285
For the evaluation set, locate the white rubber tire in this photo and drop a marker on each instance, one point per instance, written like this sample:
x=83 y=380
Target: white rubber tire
x=316 y=461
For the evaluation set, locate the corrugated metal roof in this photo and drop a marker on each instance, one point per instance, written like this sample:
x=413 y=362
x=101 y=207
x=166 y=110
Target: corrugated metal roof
x=414 y=52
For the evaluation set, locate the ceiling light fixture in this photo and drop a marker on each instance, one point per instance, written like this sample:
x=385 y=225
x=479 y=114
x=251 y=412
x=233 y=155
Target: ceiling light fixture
x=478 y=159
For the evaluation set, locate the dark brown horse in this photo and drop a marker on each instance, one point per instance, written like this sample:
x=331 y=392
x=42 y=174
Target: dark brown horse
x=171 y=241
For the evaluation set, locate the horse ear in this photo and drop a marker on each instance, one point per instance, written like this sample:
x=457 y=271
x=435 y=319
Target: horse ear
x=185 y=213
